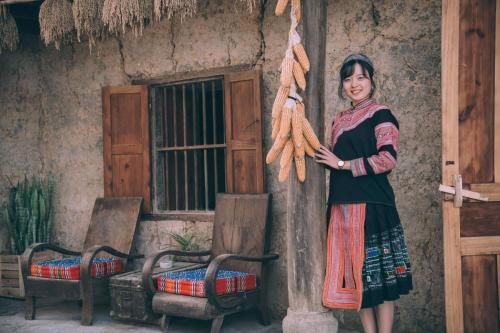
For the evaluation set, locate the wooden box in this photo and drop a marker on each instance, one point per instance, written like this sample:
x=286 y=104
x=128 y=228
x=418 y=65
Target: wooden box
x=130 y=302
x=11 y=278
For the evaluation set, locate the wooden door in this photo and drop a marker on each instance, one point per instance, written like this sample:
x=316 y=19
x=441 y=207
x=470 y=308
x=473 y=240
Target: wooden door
x=471 y=160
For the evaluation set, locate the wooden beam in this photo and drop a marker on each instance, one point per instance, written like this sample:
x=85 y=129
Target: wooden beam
x=451 y=215
x=306 y=233
x=13 y=2
x=473 y=246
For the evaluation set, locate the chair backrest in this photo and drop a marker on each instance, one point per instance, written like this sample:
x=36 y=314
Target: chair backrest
x=113 y=223
x=240 y=227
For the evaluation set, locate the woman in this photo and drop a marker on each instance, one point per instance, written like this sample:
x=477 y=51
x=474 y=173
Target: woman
x=367 y=259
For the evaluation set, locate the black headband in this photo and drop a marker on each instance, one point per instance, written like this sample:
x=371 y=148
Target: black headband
x=358 y=56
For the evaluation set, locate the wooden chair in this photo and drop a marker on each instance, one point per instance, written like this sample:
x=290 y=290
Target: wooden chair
x=112 y=228
x=238 y=243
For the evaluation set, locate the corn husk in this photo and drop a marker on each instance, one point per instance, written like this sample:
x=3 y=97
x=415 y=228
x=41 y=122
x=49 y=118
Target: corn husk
x=56 y=22
x=297 y=10
x=9 y=34
x=119 y=15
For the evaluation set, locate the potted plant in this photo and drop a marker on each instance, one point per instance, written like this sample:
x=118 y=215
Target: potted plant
x=28 y=215
x=188 y=243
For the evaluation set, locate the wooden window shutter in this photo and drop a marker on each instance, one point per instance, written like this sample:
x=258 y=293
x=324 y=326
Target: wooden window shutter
x=243 y=115
x=126 y=142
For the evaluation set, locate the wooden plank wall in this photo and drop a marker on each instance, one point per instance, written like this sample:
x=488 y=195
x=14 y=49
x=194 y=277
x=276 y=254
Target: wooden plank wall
x=476 y=87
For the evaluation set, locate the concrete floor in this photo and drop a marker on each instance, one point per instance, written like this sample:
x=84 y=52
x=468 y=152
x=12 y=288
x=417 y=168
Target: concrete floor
x=64 y=317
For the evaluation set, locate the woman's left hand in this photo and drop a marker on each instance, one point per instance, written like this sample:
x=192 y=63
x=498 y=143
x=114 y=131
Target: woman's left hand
x=325 y=156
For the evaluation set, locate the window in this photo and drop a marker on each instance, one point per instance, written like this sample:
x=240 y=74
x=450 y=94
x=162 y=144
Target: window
x=180 y=143
x=189 y=144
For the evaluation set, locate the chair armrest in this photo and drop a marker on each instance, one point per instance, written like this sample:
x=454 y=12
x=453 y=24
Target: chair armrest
x=147 y=269
x=85 y=264
x=91 y=252
x=210 y=277
x=27 y=255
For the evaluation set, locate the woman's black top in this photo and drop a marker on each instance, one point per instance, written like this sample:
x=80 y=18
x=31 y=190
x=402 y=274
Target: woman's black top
x=368 y=137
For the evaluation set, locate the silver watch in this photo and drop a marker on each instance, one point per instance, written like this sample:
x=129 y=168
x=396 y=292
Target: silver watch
x=340 y=164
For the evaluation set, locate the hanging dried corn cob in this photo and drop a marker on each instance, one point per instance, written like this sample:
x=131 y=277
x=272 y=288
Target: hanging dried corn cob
x=286 y=118
x=286 y=156
x=285 y=171
x=297 y=10
x=276 y=126
x=297 y=136
x=291 y=131
x=309 y=135
x=300 y=165
x=298 y=75
x=276 y=149
x=300 y=52
x=308 y=149
x=287 y=70
x=280 y=100
x=280 y=7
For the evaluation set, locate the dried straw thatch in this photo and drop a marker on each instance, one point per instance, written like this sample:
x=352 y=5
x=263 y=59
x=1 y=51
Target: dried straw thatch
x=9 y=35
x=169 y=8
x=88 y=19
x=56 y=22
x=117 y=15
x=249 y=4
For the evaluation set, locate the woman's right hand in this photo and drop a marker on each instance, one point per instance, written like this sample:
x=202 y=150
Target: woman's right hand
x=325 y=156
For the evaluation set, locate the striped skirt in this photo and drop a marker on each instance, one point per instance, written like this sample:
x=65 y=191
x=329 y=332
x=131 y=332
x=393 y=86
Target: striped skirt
x=367 y=258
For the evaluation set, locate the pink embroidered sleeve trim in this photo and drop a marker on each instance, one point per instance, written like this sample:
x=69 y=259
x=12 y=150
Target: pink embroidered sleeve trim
x=382 y=162
x=358 y=167
x=387 y=134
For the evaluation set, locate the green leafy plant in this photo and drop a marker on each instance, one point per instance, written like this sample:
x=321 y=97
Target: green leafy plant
x=185 y=242
x=29 y=213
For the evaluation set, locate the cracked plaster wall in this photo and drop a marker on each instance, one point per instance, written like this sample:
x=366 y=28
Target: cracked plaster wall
x=50 y=108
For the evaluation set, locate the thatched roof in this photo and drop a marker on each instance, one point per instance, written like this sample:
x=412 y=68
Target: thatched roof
x=61 y=20
x=9 y=35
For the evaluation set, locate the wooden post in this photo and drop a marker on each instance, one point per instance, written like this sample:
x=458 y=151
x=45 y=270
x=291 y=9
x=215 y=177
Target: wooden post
x=306 y=231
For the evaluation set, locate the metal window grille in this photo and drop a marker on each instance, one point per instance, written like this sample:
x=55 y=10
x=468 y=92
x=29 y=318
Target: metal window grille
x=189 y=145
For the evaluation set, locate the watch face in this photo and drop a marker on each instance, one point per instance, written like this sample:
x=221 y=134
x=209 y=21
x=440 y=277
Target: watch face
x=341 y=163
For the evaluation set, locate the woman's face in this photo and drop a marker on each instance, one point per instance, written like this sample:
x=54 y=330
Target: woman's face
x=357 y=87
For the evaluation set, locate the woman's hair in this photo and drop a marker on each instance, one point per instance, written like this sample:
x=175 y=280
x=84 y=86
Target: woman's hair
x=347 y=70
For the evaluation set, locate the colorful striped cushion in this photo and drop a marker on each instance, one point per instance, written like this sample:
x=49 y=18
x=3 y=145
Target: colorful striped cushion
x=69 y=268
x=192 y=282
